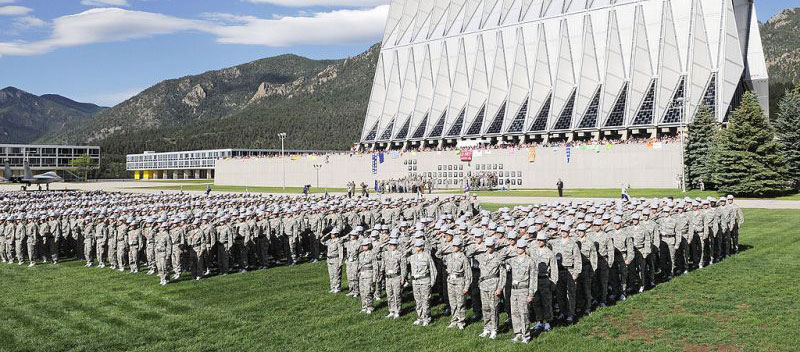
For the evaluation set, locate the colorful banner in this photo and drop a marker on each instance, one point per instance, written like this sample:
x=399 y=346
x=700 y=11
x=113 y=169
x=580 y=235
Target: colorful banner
x=466 y=155
x=569 y=152
x=380 y=157
x=374 y=164
x=531 y=154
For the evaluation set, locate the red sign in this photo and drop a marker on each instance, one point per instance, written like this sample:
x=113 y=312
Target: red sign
x=466 y=155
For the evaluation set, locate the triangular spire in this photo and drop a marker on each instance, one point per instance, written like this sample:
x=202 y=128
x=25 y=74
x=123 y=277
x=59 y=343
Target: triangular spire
x=731 y=59
x=565 y=77
x=488 y=9
x=614 y=71
x=376 y=100
x=441 y=94
x=520 y=84
x=498 y=91
x=479 y=91
x=641 y=65
x=471 y=13
x=505 y=12
x=700 y=67
x=460 y=92
x=423 y=17
x=395 y=13
x=410 y=91
x=589 y=79
x=404 y=27
x=541 y=84
x=393 y=92
x=670 y=66
x=422 y=106
x=456 y=7
x=437 y=16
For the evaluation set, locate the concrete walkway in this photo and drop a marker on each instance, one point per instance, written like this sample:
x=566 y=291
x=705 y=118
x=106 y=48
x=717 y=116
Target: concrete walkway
x=131 y=186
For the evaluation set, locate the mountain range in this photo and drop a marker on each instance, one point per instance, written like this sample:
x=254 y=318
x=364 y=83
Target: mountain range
x=320 y=104
x=25 y=117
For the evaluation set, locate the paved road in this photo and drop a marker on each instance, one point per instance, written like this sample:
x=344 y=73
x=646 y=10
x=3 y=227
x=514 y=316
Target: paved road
x=120 y=186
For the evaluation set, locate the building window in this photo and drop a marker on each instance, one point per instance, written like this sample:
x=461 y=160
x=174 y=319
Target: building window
x=540 y=124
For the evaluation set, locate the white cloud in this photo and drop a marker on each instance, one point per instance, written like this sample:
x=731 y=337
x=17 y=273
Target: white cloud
x=327 y=3
x=14 y=10
x=340 y=26
x=26 y=22
x=7 y=1
x=115 y=24
x=105 y=2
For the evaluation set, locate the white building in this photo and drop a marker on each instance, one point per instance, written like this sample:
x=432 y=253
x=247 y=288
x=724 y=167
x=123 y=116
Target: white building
x=519 y=70
x=195 y=164
x=46 y=157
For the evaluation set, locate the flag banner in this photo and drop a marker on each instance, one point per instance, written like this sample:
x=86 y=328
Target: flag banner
x=569 y=152
x=466 y=155
x=295 y=157
x=531 y=154
x=380 y=157
x=609 y=146
x=374 y=164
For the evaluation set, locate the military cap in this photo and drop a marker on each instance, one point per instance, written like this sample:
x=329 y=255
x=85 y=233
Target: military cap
x=512 y=235
x=393 y=241
x=522 y=243
x=616 y=220
x=419 y=243
x=490 y=242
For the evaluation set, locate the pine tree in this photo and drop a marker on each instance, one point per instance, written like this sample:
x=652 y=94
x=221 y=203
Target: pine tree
x=746 y=159
x=699 y=145
x=787 y=127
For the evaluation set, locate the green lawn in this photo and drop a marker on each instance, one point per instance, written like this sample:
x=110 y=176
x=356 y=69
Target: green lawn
x=607 y=193
x=218 y=188
x=750 y=302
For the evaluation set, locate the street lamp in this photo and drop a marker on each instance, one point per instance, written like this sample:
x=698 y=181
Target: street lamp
x=282 y=136
x=317 y=167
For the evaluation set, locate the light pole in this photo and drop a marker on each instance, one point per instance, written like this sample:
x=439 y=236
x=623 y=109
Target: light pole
x=317 y=167
x=282 y=136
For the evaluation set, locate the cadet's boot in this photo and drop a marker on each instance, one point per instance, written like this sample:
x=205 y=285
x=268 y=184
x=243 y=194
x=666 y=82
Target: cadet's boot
x=622 y=297
x=452 y=325
x=493 y=335
x=484 y=333
x=547 y=327
x=515 y=339
x=390 y=315
x=570 y=319
x=460 y=326
x=641 y=289
x=426 y=322
x=416 y=322
x=31 y=264
x=538 y=326
x=88 y=264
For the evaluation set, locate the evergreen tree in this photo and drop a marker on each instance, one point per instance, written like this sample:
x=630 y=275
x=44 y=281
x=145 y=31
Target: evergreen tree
x=746 y=159
x=699 y=145
x=787 y=127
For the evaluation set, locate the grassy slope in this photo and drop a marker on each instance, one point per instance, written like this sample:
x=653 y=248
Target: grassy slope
x=608 y=193
x=748 y=302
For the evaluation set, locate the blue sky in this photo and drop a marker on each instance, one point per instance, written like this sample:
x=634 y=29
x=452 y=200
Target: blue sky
x=105 y=51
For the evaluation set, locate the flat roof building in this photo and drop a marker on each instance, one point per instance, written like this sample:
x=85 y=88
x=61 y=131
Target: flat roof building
x=194 y=164
x=43 y=157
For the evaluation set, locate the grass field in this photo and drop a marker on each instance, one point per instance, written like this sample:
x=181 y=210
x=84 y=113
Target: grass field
x=218 y=188
x=608 y=193
x=749 y=302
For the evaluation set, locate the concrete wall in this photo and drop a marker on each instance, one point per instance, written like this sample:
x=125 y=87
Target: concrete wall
x=601 y=167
